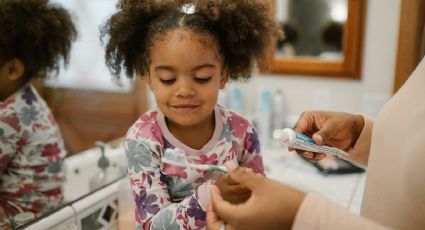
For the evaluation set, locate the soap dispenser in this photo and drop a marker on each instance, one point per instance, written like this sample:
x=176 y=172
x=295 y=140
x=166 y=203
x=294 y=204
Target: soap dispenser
x=104 y=174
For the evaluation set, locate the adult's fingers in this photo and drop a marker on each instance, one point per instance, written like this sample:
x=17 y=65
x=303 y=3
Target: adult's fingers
x=230 y=180
x=313 y=156
x=319 y=156
x=213 y=221
x=303 y=124
x=247 y=178
x=222 y=208
x=316 y=124
x=237 y=189
x=325 y=133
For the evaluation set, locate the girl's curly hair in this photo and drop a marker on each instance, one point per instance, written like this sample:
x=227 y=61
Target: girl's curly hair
x=243 y=29
x=36 y=32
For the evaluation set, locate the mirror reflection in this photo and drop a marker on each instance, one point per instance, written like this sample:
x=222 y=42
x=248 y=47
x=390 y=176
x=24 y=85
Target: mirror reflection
x=313 y=28
x=47 y=160
x=35 y=38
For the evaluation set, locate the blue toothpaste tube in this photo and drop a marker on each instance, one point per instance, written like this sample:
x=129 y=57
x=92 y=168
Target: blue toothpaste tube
x=299 y=141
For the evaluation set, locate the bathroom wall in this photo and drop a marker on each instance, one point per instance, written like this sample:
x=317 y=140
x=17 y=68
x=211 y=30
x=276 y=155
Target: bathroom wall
x=360 y=96
x=303 y=92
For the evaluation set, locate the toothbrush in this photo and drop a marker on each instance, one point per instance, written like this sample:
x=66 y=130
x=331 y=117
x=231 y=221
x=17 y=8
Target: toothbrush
x=176 y=157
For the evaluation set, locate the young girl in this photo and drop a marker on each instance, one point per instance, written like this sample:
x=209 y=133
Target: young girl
x=187 y=52
x=34 y=36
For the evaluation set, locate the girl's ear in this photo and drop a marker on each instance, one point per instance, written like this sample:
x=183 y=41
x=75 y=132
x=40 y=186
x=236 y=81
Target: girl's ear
x=15 y=69
x=224 y=78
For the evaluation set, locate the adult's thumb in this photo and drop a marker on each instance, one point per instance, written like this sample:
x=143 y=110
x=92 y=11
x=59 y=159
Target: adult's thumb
x=324 y=134
x=247 y=178
x=222 y=208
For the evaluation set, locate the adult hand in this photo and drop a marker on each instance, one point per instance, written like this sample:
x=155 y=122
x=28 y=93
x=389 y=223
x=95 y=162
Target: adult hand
x=335 y=129
x=231 y=190
x=271 y=205
x=213 y=220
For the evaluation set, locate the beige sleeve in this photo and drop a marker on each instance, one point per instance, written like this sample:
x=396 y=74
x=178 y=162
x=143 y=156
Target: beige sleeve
x=359 y=154
x=316 y=212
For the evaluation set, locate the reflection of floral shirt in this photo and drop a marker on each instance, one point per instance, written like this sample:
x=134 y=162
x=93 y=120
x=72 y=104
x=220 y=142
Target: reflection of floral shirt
x=169 y=197
x=31 y=155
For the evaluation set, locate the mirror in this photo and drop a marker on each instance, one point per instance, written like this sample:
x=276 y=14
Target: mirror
x=86 y=104
x=322 y=38
x=85 y=101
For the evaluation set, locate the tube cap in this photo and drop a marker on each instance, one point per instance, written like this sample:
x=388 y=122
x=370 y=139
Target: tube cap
x=279 y=134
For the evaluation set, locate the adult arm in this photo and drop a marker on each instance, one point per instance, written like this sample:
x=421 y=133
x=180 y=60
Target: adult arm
x=273 y=205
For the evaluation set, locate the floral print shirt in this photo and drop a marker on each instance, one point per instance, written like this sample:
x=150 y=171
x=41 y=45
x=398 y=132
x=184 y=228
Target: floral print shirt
x=170 y=197
x=31 y=155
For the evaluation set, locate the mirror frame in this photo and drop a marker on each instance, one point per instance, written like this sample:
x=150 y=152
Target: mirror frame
x=348 y=68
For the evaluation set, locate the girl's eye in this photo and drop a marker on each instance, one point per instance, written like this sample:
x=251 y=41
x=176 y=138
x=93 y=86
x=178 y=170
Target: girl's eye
x=202 y=79
x=167 y=81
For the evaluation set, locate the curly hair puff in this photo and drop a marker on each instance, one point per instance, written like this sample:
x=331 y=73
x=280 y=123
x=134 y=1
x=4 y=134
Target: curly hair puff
x=243 y=29
x=37 y=33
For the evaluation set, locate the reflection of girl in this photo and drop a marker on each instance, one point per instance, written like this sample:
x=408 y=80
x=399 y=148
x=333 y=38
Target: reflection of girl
x=332 y=37
x=33 y=36
x=186 y=58
x=287 y=44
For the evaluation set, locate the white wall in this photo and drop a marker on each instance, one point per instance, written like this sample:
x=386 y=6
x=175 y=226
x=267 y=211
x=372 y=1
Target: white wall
x=378 y=69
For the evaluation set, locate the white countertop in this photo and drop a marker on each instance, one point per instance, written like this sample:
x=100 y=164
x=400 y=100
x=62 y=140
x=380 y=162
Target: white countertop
x=287 y=167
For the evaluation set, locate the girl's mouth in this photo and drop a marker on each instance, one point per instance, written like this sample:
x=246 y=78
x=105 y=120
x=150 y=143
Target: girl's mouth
x=185 y=107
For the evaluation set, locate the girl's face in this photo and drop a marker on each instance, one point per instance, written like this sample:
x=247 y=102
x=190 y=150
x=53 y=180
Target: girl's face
x=185 y=75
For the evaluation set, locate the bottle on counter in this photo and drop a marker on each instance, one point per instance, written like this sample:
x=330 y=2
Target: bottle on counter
x=280 y=110
x=264 y=117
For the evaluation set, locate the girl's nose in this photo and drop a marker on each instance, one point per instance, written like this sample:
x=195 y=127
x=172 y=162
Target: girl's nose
x=185 y=89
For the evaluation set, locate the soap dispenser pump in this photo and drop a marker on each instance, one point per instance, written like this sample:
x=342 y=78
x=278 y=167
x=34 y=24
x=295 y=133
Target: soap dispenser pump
x=103 y=173
x=103 y=162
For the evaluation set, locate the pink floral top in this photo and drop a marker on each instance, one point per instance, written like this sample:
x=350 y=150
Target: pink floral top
x=31 y=156
x=170 y=197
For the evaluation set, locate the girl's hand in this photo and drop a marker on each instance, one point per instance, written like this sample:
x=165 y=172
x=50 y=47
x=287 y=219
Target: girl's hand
x=231 y=190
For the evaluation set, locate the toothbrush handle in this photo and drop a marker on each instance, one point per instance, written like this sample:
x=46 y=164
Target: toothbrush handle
x=214 y=168
x=218 y=168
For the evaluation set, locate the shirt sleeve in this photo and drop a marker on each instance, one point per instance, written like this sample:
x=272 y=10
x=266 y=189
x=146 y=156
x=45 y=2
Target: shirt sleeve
x=251 y=154
x=316 y=212
x=154 y=209
x=10 y=139
x=360 y=152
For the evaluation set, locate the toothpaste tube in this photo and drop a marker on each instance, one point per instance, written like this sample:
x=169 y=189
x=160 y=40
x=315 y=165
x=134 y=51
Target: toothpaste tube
x=299 y=141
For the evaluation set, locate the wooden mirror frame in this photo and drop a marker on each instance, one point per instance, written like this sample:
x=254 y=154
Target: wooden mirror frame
x=348 y=68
